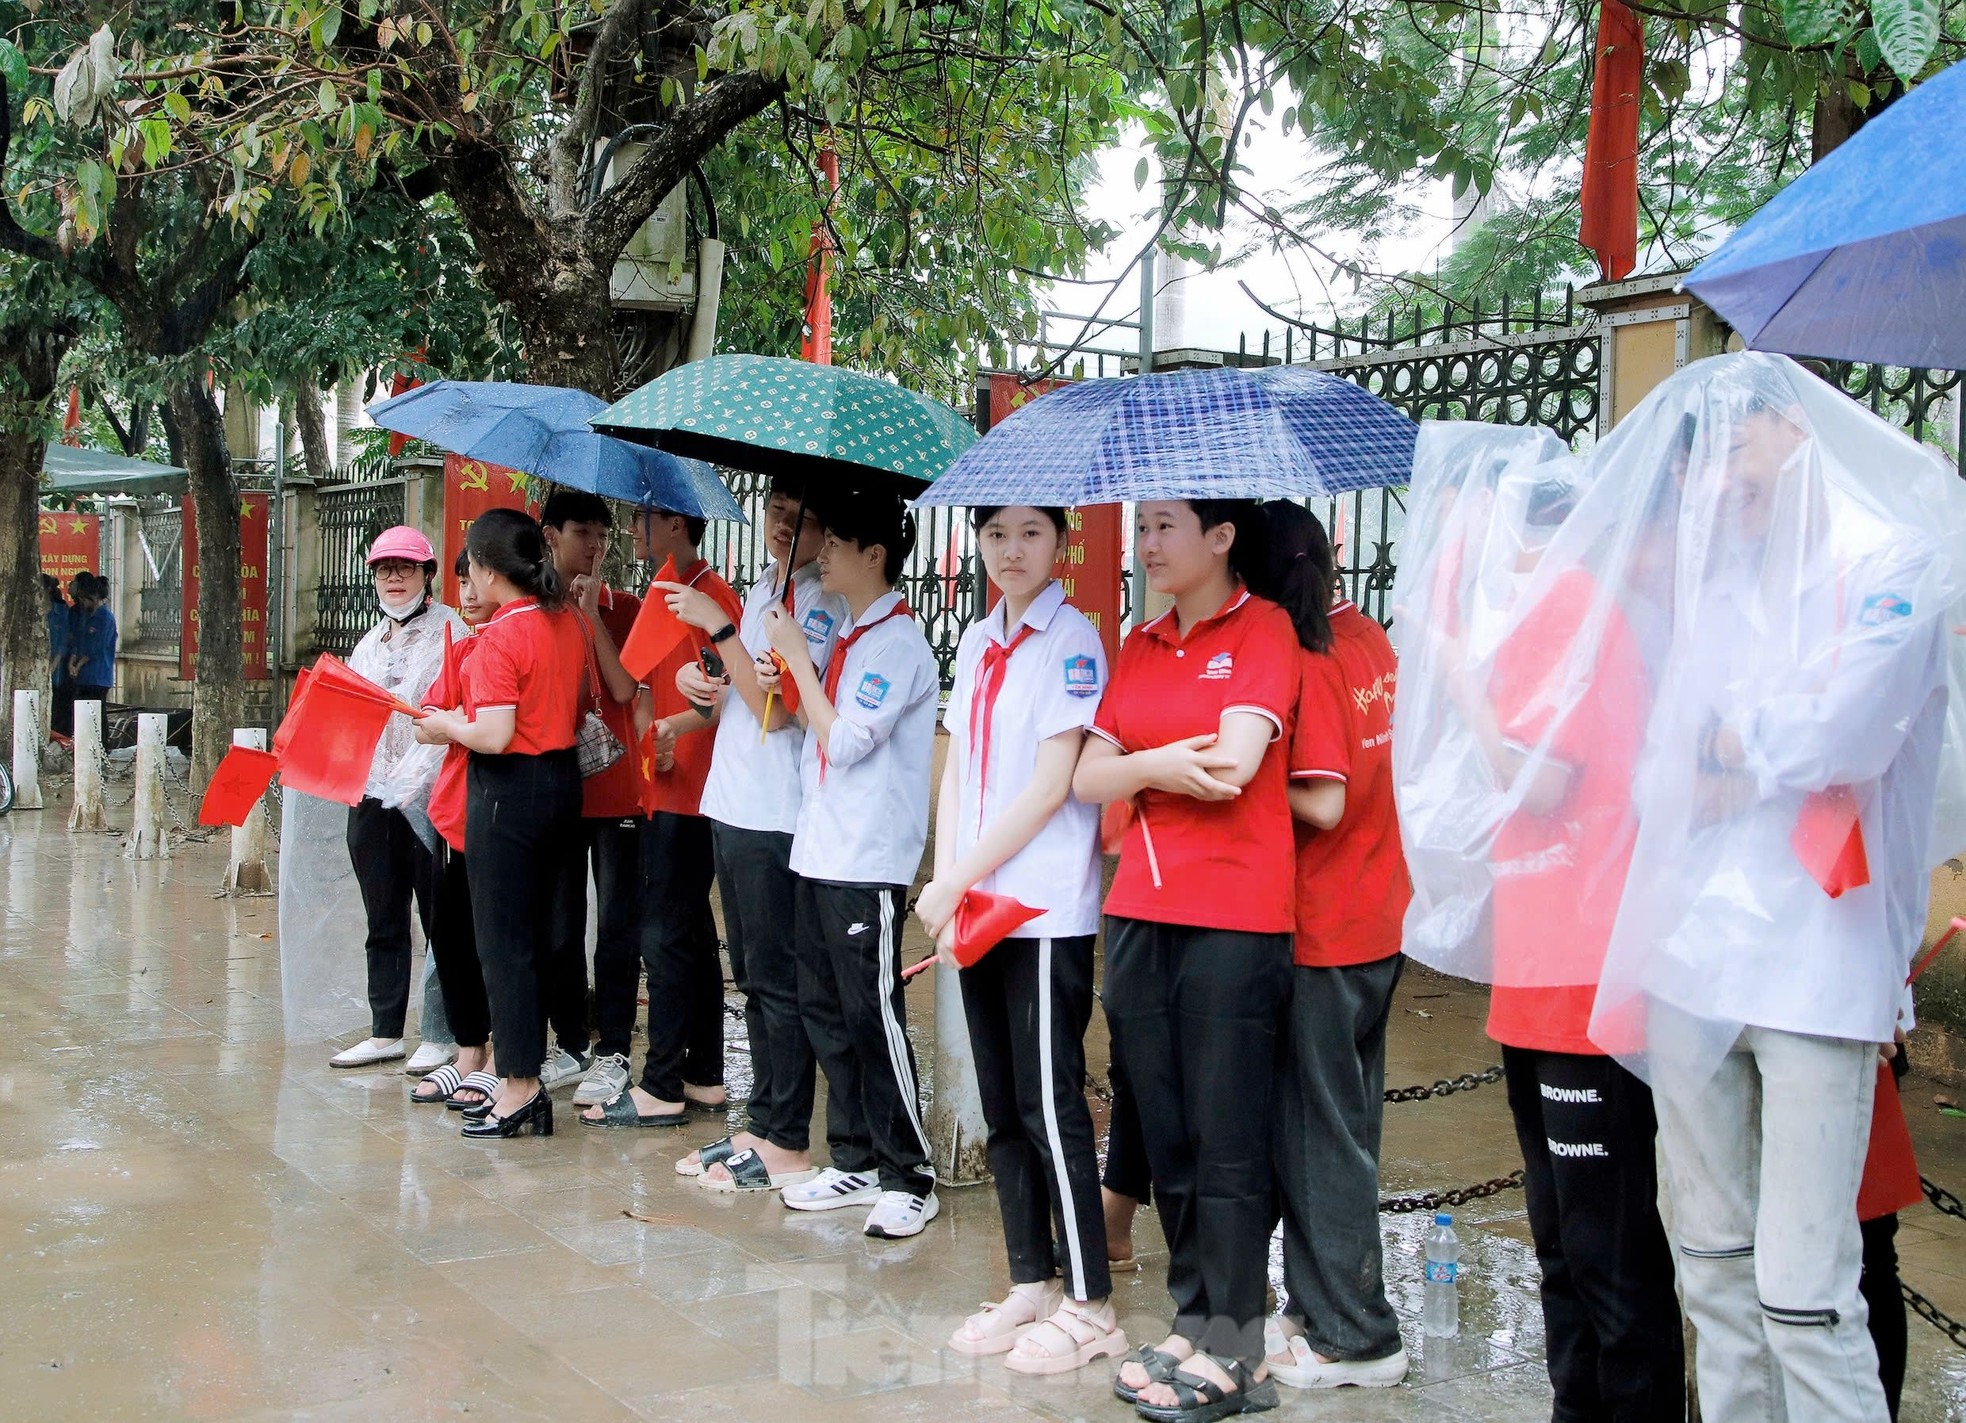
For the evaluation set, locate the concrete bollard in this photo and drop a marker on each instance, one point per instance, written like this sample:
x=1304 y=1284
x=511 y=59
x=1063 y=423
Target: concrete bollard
x=87 y=813
x=149 y=839
x=27 y=750
x=246 y=872
x=956 y=1130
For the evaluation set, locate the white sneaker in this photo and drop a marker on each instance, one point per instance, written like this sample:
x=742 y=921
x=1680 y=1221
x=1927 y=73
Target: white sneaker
x=560 y=1068
x=830 y=1190
x=605 y=1081
x=368 y=1053
x=1307 y=1370
x=898 y=1215
x=428 y=1058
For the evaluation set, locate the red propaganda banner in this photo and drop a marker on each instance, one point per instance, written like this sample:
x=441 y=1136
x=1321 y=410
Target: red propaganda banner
x=1089 y=565
x=255 y=511
x=70 y=544
x=470 y=488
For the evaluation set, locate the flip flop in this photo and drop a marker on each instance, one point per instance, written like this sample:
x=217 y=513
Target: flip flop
x=444 y=1079
x=747 y=1173
x=619 y=1111
x=707 y=1156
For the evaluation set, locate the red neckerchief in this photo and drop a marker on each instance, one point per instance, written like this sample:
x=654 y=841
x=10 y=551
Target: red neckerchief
x=989 y=682
x=836 y=668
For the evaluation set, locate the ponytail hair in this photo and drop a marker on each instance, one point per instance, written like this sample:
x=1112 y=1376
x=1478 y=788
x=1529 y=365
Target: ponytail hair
x=1303 y=571
x=509 y=542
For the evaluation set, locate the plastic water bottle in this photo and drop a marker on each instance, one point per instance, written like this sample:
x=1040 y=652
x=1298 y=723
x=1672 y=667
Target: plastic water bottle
x=1440 y=1317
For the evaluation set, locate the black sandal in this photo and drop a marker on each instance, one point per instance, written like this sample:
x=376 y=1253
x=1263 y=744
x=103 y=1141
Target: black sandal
x=1160 y=1367
x=485 y=1084
x=1200 y=1400
x=619 y=1111
x=722 y=1149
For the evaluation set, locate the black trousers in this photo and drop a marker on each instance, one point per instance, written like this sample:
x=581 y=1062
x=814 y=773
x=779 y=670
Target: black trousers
x=679 y=947
x=522 y=820
x=455 y=945
x=849 y=938
x=757 y=886
x=1195 y=1015
x=392 y=867
x=1331 y=1109
x=1027 y=1003
x=1879 y=1285
x=61 y=710
x=614 y=847
x=1127 y=1172
x=1610 y=1316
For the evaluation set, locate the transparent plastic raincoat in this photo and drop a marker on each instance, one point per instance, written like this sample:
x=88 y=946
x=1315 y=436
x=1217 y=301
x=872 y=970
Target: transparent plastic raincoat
x=1483 y=501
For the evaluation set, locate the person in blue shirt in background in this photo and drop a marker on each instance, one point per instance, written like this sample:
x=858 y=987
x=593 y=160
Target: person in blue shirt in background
x=91 y=640
x=62 y=708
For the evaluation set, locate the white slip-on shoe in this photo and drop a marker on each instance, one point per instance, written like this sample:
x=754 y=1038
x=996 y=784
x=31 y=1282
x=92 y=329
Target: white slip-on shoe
x=560 y=1068
x=898 y=1215
x=1307 y=1370
x=368 y=1053
x=428 y=1058
x=605 y=1080
x=830 y=1190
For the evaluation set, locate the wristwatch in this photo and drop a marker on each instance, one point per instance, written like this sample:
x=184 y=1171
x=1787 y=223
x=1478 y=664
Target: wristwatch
x=728 y=630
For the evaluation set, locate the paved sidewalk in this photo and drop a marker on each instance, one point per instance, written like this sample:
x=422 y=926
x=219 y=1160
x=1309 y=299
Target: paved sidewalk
x=200 y=1221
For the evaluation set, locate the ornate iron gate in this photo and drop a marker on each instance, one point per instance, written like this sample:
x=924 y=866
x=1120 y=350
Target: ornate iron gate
x=349 y=517
x=160 y=582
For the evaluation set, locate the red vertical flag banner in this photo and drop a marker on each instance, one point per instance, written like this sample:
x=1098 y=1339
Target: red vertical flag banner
x=817 y=346
x=255 y=512
x=470 y=488
x=1610 y=189
x=1089 y=564
x=70 y=544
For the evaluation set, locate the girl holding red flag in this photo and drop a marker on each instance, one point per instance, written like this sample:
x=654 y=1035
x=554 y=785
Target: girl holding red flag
x=1027 y=687
x=1198 y=928
x=525 y=683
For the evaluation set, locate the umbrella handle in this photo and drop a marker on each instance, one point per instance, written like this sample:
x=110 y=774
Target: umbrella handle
x=913 y=969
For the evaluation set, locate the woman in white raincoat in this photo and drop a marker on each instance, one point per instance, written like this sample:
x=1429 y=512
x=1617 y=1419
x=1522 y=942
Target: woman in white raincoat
x=390 y=839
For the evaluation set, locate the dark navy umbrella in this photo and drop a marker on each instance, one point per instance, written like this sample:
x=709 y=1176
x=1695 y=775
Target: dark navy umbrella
x=1212 y=434
x=1863 y=257
x=543 y=431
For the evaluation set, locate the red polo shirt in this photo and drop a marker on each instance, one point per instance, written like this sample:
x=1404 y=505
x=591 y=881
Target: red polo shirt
x=1352 y=888
x=1559 y=876
x=679 y=790
x=447 y=794
x=1223 y=864
x=535 y=663
x=617 y=791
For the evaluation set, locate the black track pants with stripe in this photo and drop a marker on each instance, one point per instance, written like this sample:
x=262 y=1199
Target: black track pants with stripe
x=849 y=949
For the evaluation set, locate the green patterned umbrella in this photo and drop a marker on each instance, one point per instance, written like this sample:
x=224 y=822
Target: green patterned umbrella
x=781 y=416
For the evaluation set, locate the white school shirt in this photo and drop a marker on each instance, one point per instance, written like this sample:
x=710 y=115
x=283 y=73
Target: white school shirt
x=866 y=820
x=1760 y=943
x=753 y=787
x=1051 y=684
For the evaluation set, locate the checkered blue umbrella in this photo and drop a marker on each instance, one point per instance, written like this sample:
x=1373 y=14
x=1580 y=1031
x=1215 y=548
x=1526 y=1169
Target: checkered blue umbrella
x=1280 y=432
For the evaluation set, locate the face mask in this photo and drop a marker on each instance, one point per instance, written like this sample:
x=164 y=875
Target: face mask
x=404 y=608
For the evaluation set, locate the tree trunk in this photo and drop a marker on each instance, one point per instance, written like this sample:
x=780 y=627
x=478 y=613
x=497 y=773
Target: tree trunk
x=29 y=369
x=218 y=701
x=313 y=431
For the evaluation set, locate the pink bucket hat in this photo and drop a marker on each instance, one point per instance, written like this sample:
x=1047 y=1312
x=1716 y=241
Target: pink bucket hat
x=401 y=542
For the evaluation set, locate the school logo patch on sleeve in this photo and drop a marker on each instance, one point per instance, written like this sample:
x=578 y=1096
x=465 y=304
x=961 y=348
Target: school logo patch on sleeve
x=872 y=691
x=1883 y=608
x=1220 y=667
x=818 y=625
x=1081 y=677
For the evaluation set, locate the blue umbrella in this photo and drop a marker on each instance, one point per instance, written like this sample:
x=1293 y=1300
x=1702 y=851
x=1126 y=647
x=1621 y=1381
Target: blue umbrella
x=543 y=431
x=1212 y=434
x=1863 y=257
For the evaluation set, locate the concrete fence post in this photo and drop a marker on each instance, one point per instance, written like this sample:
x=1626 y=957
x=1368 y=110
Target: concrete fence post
x=956 y=1130
x=27 y=750
x=149 y=839
x=246 y=872
x=87 y=813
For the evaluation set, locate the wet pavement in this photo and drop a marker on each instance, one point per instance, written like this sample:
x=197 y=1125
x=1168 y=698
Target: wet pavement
x=200 y=1221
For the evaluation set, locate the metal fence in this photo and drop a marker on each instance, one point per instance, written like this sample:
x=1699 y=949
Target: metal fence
x=160 y=577
x=349 y=516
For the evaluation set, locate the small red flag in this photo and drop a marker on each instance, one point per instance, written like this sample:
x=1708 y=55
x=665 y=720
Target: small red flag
x=329 y=668
x=1890 y=1180
x=1610 y=187
x=237 y=785
x=982 y=922
x=284 y=732
x=327 y=740
x=1829 y=840
x=656 y=631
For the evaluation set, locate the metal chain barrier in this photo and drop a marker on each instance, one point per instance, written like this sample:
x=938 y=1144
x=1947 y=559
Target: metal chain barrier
x=1945 y=1200
x=1933 y=1315
x=1447 y=1086
x=1459 y=1196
